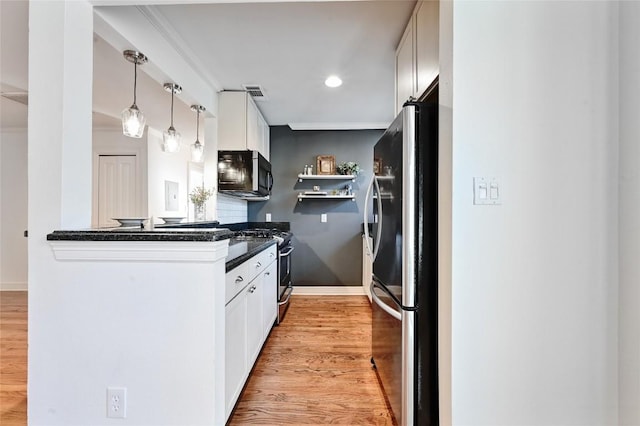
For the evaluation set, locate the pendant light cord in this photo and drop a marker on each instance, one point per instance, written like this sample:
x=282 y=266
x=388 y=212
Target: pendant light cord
x=135 y=80
x=198 y=126
x=172 y=91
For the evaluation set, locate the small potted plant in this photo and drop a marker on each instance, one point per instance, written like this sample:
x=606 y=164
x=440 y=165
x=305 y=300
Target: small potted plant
x=348 y=168
x=199 y=197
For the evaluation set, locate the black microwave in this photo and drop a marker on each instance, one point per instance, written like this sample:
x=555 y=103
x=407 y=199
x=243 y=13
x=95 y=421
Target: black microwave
x=244 y=174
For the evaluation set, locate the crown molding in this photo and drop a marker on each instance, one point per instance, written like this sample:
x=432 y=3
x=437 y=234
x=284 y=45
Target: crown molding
x=182 y=48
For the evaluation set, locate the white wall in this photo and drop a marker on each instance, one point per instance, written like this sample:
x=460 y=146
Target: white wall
x=629 y=358
x=535 y=279
x=164 y=166
x=13 y=209
x=59 y=181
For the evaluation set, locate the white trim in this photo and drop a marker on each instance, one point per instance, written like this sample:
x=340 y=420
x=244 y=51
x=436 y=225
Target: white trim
x=329 y=290
x=19 y=286
x=339 y=126
x=182 y=48
x=148 y=251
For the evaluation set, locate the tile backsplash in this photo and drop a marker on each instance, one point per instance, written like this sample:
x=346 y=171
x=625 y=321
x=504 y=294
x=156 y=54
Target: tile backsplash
x=231 y=210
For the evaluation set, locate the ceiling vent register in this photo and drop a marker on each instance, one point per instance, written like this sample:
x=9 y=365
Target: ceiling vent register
x=255 y=91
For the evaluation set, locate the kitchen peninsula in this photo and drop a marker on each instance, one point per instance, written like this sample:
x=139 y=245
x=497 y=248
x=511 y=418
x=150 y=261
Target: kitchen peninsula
x=142 y=310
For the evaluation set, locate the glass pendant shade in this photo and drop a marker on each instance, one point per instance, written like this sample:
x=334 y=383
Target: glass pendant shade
x=171 y=138
x=197 y=151
x=133 y=122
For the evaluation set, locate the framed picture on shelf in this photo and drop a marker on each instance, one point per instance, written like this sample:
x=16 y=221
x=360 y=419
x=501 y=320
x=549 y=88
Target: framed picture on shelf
x=377 y=166
x=326 y=165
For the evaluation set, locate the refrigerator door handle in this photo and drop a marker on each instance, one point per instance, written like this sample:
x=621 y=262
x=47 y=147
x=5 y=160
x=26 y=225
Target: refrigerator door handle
x=388 y=309
x=376 y=245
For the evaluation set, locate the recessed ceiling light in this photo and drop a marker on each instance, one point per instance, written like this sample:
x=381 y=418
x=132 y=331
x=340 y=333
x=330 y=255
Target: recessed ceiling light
x=333 y=81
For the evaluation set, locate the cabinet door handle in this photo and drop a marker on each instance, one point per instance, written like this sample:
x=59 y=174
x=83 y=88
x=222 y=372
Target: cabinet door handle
x=272 y=254
x=267 y=273
x=258 y=265
x=239 y=279
x=252 y=289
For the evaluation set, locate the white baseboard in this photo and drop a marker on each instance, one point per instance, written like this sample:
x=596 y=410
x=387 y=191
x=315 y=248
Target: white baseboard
x=13 y=286
x=329 y=290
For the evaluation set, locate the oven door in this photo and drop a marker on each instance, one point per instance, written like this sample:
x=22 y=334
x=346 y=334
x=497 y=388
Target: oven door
x=284 y=269
x=285 y=287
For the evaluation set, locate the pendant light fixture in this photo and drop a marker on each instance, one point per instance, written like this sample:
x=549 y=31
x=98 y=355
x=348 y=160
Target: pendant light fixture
x=133 y=120
x=171 y=136
x=197 y=149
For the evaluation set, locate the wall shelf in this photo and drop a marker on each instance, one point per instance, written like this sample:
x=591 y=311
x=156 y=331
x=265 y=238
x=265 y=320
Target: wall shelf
x=302 y=177
x=326 y=197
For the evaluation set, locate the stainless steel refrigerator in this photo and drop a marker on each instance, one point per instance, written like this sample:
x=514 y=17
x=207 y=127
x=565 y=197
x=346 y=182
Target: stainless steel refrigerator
x=404 y=285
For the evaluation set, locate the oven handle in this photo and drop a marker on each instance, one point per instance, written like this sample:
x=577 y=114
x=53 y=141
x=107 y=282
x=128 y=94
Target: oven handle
x=288 y=297
x=286 y=252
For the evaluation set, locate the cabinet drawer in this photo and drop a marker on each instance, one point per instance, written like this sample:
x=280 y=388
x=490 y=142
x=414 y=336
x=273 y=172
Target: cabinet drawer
x=268 y=256
x=236 y=279
x=258 y=263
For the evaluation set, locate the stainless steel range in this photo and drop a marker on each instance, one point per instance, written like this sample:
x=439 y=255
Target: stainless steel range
x=285 y=248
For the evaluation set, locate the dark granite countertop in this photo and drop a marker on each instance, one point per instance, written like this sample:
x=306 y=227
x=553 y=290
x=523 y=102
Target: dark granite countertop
x=205 y=224
x=133 y=233
x=241 y=250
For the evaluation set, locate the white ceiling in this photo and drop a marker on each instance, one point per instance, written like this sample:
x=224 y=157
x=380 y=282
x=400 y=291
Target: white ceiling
x=288 y=48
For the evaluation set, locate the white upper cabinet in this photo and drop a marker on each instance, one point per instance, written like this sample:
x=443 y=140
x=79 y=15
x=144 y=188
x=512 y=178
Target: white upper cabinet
x=417 y=57
x=264 y=136
x=240 y=124
x=427 y=29
x=405 y=69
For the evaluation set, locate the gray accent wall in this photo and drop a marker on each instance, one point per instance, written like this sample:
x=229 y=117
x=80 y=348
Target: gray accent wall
x=326 y=254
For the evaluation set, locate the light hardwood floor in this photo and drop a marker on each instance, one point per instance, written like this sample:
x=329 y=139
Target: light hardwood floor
x=13 y=358
x=313 y=370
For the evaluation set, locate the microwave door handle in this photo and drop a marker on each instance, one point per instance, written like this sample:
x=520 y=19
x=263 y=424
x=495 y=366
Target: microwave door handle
x=270 y=177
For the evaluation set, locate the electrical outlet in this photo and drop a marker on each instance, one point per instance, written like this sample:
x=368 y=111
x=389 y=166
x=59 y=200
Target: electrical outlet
x=323 y=218
x=117 y=403
x=267 y=217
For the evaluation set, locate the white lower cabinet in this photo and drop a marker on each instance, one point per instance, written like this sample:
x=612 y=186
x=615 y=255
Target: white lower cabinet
x=269 y=298
x=251 y=310
x=255 y=334
x=235 y=350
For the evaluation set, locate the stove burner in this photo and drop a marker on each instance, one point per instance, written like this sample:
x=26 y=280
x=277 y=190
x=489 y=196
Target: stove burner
x=282 y=237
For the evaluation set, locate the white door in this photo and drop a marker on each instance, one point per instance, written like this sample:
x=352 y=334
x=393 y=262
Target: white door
x=117 y=188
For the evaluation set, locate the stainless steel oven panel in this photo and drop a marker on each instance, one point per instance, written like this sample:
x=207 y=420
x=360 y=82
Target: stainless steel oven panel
x=284 y=267
x=285 y=287
x=283 y=304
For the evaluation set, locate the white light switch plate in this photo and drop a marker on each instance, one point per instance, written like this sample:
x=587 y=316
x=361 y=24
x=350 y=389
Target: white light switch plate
x=323 y=218
x=487 y=191
x=267 y=217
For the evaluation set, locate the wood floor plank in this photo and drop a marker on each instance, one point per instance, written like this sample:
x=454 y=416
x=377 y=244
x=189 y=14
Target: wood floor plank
x=315 y=369
x=13 y=358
